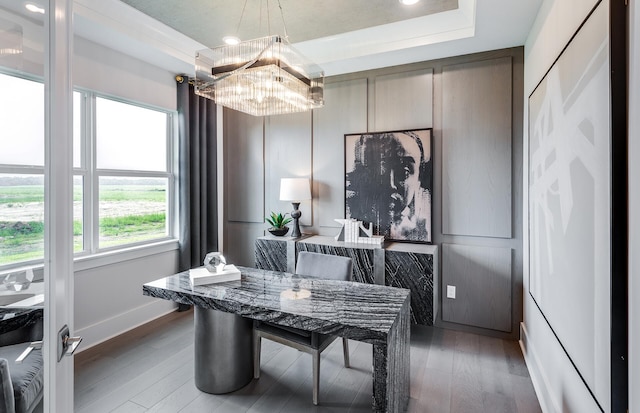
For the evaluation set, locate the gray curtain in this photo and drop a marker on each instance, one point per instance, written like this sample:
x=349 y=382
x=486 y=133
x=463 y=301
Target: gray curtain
x=197 y=176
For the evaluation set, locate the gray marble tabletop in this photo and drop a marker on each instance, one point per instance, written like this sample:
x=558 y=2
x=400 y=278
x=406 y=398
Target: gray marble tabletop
x=363 y=312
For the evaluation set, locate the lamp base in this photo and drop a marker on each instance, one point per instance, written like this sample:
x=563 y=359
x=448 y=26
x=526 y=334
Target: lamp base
x=296 y=214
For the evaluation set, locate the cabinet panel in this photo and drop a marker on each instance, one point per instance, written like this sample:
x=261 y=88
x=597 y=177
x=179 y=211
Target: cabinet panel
x=412 y=271
x=244 y=166
x=476 y=148
x=288 y=155
x=482 y=279
x=345 y=111
x=271 y=254
x=403 y=101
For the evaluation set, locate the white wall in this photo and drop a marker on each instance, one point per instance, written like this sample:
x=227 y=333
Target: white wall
x=557 y=383
x=634 y=208
x=99 y=68
x=108 y=296
x=108 y=290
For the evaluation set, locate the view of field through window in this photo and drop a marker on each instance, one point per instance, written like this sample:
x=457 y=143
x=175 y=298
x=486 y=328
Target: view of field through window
x=121 y=167
x=131 y=210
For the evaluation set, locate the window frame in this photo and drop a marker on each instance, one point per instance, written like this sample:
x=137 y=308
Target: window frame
x=90 y=182
x=91 y=207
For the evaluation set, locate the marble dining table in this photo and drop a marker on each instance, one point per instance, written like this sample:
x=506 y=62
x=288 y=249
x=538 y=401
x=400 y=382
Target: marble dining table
x=374 y=314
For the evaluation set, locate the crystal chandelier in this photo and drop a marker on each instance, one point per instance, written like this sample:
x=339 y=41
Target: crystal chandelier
x=261 y=77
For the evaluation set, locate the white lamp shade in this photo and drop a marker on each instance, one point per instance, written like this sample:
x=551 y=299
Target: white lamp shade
x=295 y=189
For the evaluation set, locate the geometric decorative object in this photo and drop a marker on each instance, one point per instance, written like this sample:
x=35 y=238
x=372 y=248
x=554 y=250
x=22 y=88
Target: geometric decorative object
x=261 y=77
x=356 y=232
x=214 y=262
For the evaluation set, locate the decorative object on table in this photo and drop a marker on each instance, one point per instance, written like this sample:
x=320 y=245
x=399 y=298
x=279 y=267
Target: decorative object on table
x=295 y=190
x=278 y=224
x=202 y=276
x=354 y=231
x=215 y=270
x=261 y=77
x=388 y=182
x=18 y=280
x=214 y=262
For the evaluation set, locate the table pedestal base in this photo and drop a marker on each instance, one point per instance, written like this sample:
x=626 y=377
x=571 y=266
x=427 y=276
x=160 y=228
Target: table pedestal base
x=223 y=345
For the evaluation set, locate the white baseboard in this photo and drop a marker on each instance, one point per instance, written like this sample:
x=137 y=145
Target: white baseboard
x=538 y=378
x=123 y=322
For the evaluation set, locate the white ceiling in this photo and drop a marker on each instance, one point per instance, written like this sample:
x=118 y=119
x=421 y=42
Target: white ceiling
x=342 y=36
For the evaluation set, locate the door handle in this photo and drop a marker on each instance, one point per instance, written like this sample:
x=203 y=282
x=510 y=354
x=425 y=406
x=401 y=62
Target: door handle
x=34 y=345
x=67 y=345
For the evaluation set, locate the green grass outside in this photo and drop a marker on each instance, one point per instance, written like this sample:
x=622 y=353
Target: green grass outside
x=25 y=240
x=142 y=193
x=35 y=193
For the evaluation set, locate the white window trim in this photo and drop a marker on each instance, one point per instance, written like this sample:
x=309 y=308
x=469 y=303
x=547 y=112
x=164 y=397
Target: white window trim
x=92 y=256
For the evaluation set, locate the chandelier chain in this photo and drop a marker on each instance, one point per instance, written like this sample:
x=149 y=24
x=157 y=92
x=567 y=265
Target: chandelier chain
x=284 y=25
x=268 y=19
x=241 y=16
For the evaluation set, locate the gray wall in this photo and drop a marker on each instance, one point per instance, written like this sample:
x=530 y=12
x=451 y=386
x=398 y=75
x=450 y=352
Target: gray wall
x=474 y=105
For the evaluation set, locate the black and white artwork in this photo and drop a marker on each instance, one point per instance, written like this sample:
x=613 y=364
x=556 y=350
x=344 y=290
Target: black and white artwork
x=388 y=182
x=570 y=201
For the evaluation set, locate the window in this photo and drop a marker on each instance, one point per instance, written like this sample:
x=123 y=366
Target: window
x=21 y=170
x=132 y=171
x=122 y=173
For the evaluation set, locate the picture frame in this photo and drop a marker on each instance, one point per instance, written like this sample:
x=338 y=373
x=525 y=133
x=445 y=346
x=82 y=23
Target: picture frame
x=389 y=182
x=577 y=204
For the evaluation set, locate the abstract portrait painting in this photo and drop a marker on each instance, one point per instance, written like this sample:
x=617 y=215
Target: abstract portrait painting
x=389 y=182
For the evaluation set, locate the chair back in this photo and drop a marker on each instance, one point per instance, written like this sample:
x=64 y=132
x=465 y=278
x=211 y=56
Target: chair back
x=328 y=267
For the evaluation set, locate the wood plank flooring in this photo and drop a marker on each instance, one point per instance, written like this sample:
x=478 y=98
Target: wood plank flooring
x=151 y=369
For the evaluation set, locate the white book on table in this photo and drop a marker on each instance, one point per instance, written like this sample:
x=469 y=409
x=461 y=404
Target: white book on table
x=202 y=276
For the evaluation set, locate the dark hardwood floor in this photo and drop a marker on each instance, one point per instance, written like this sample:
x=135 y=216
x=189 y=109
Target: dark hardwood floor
x=151 y=369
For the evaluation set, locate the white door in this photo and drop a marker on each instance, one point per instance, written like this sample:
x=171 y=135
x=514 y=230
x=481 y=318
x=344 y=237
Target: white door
x=36 y=154
x=58 y=242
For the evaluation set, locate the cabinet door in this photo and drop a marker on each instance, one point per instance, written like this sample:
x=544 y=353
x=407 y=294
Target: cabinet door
x=271 y=254
x=414 y=272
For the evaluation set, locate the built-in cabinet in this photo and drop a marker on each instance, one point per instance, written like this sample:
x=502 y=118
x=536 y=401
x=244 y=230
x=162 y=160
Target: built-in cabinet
x=474 y=105
x=401 y=265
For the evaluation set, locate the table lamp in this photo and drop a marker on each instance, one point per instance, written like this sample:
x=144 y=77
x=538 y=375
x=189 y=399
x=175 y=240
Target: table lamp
x=295 y=190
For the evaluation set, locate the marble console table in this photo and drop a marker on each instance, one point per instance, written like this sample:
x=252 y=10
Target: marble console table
x=397 y=264
x=370 y=313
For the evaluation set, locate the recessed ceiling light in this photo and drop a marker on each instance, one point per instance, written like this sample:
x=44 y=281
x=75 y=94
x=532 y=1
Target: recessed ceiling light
x=231 y=40
x=34 y=8
x=408 y=2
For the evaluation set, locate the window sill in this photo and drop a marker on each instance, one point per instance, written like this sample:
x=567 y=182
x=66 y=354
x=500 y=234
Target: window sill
x=88 y=262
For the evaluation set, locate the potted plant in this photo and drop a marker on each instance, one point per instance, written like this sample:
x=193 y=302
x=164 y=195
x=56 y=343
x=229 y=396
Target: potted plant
x=278 y=224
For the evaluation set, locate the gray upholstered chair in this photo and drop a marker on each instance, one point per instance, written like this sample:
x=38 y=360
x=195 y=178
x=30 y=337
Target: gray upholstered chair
x=21 y=383
x=312 y=265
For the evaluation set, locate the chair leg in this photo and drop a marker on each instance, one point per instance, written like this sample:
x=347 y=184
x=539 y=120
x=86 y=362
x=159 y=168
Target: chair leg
x=256 y=354
x=345 y=350
x=316 y=376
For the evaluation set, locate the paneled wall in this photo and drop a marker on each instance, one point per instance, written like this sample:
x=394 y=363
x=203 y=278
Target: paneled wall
x=474 y=105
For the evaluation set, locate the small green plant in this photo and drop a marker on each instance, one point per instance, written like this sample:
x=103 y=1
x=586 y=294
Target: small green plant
x=278 y=220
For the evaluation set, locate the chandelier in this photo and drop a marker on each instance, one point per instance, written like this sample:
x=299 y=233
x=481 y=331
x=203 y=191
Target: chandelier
x=261 y=77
